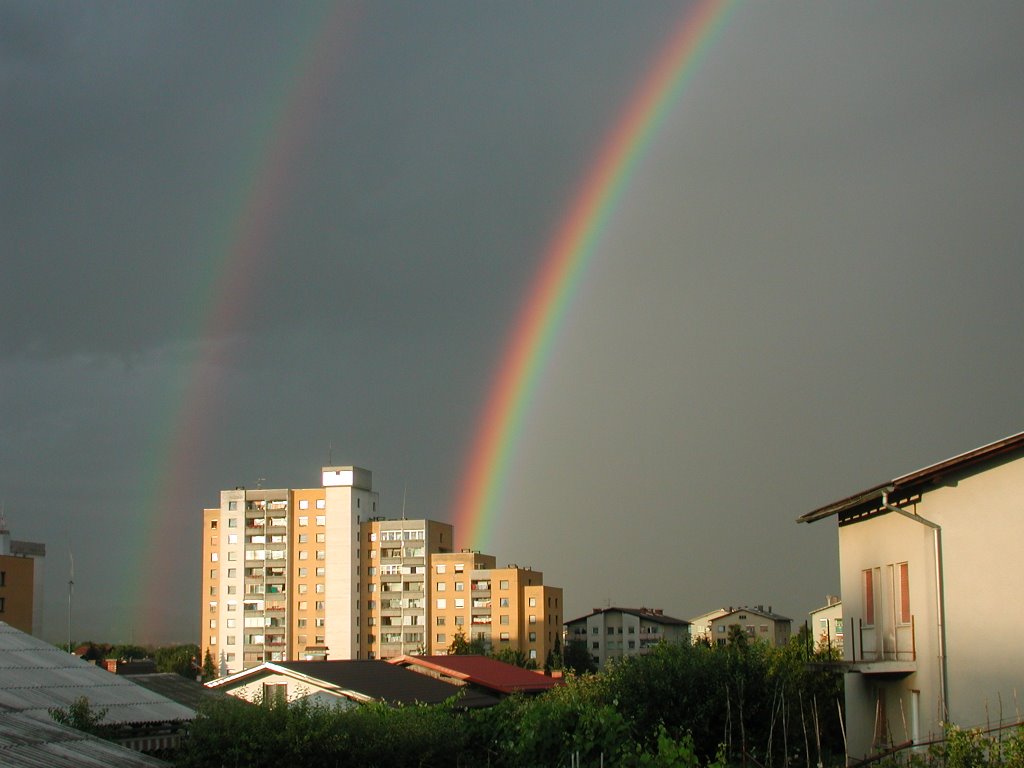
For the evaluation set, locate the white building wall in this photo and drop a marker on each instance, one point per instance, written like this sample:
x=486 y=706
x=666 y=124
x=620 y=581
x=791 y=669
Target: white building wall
x=349 y=494
x=982 y=519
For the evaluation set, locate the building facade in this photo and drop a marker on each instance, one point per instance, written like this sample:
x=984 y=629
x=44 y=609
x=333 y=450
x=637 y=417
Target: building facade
x=758 y=622
x=923 y=558
x=21 y=582
x=827 y=625
x=616 y=633
x=318 y=574
x=504 y=608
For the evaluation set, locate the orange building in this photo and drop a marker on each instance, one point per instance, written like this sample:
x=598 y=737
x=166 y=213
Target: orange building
x=504 y=608
x=21 y=583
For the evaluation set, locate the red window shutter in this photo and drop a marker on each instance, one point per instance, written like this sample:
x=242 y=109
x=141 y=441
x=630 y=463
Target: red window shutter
x=904 y=593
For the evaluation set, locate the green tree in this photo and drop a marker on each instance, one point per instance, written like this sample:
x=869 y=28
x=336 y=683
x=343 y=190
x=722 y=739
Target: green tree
x=181 y=659
x=81 y=716
x=462 y=647
x=577 y=658
x=209 y=671
x=511 y=656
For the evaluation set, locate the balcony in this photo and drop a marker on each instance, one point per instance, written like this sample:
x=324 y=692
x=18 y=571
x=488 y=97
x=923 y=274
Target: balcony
x=884 y=649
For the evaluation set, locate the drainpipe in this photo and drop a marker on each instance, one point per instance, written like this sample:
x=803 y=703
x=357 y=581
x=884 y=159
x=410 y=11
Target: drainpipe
x=940 y=598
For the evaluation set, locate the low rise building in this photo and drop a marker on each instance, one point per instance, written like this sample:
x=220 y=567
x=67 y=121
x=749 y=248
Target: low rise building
x=21 y=582
x=615 y=633
x=758 y=622
x=827 y=625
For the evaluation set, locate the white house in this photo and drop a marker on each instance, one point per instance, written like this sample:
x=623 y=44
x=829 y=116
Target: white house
x=930 y=567
x=758 y=622
x=827 y=624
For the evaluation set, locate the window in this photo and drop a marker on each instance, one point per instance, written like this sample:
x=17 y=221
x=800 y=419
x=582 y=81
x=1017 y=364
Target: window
x=611 y=630
x=213 y=573
x=321 y=519
x=371 y=587
x=441 y=637
x=503 y=619
x=232 y=506
x=503 y=602
x=303 y=503
x=302 y=573
x=320 y=588
x=503 y=584
x=232 y=522
x=214 y=557
x=321 y=503
x=232 y=555
x=320 y=571
x=904 y=607
x=867 y=578
x=232 y=573
x=230 y=640
x=460 y=586
x=303 y=554
x=213 y=640
x=319 y=605
x=232 y=589
x=533 y=602
x=596 y=645
x=371 y=571
x=533 y=619
x=533 y=653
x=303 y=588
x=321 y=538
x=302 y=623
x=440 y=568
x=459 y=621
x=441 y=586
x=460 y=603
x=213 y=623
x=440 y=621
x=595 y=630
x=303 y=605
x=460 y=567
x=230 y=623
x=533 y=637
x=303 y=520
x=632 y=643
x=442 y=604
x=503 y=637
x=303 y=538
x=232 y=538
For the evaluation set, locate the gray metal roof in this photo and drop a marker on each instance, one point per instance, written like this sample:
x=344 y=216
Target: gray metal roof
x=26 y=742
x=35 y=677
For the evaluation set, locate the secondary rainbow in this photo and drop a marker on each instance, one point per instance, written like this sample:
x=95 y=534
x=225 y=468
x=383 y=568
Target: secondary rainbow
x=564 y=261
x=228 y=292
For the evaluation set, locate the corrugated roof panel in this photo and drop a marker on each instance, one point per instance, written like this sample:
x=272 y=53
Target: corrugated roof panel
x=28 y=743
x=35 y=677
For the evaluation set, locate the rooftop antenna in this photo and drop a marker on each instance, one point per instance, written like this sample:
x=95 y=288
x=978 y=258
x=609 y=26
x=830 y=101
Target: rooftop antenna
x=71 y=590
x=403 y=501
x=330 y=454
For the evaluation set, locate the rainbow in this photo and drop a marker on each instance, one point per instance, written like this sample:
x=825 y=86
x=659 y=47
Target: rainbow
x=565 y=260
x=229 y=291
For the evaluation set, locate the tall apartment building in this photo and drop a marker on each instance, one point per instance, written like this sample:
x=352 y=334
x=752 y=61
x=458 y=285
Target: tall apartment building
x=21 y=582
x=506 y=607
x=395 y=558
x=277 y=563
x=316 y=573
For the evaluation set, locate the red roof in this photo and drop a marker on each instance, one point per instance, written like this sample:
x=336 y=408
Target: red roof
x=481 y=671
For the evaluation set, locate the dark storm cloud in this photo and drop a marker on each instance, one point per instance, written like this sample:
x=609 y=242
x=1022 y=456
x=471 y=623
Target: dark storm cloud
x=809 y=285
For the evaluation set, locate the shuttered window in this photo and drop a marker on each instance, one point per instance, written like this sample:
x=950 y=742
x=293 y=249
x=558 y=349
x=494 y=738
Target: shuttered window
x=869 y=598
x=904 y=593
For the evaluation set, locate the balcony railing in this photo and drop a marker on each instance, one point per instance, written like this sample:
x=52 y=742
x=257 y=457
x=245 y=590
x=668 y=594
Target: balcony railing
x=885 y=643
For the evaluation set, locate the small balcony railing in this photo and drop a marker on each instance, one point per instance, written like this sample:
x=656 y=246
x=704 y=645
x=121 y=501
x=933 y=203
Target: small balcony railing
x=878 y=642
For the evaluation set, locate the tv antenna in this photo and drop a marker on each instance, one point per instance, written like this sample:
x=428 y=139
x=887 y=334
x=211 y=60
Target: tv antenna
x=71 y=590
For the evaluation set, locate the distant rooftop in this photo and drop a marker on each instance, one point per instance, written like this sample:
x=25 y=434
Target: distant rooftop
x=648 y=614
x=482 y=671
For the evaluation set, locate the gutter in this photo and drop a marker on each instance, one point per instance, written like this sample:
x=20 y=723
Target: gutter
x=940 y=595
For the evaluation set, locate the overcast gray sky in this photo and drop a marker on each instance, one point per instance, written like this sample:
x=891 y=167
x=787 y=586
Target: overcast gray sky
x=812 y=282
